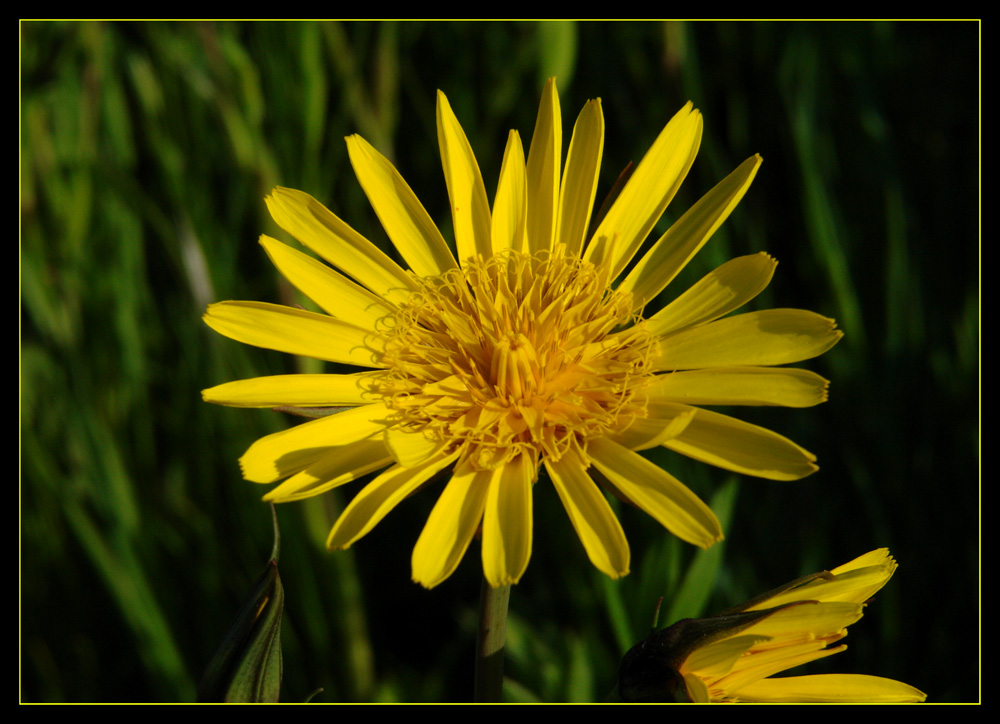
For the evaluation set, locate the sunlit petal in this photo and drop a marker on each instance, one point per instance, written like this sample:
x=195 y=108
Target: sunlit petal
x=378 y=498
x=542 y=169
x=402 y=215
x=316 y=227
x=296 y=391
x=592 y=517
x=470 y=209
x=511 y=204
x=685 y=238
x=283 y=453
x=296 y=331
x=579 y=183
x=647 y=193
x=507 y=523
x=450 y=528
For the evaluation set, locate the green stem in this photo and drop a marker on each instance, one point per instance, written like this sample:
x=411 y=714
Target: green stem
x=490 y=641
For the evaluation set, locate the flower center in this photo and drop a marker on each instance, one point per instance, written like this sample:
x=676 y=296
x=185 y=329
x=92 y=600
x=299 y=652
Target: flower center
x=514 y=355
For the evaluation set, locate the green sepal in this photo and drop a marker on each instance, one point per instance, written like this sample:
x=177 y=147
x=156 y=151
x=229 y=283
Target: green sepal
x=247 y=665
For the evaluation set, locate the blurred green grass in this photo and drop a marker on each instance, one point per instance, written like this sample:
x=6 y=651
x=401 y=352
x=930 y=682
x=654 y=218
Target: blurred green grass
x=146 y=151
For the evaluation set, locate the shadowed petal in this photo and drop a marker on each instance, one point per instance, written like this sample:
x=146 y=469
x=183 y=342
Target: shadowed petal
x=735 y=445
x=770 y=337
x=741 y=386
x=721 y=291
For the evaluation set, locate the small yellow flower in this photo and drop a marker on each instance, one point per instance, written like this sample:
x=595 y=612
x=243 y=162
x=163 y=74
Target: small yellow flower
x=730 y=657
x=529 y=349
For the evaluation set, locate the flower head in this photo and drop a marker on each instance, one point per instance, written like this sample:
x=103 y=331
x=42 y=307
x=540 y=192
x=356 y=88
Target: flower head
x=529 y=349
x=731 y=657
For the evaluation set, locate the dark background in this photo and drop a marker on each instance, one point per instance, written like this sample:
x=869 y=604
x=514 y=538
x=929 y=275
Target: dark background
x=146 y=151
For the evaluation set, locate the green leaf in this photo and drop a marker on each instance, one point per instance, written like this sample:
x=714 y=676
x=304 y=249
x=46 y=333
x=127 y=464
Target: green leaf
x=247 y=666
x=699 y=580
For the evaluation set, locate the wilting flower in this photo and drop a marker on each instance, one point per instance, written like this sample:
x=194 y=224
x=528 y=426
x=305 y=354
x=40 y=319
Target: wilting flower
x=730 y=657
x=530 y=348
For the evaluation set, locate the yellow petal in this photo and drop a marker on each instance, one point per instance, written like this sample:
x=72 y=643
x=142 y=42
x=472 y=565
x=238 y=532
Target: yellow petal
x=316 y=227
x=296 y=331
x=854 y=582
x=649 y=432
x=761 y=664
x=410 y=448
x=854 y=587
x=735 y=445
x=717 y=658
x=338 y=465
x=544 y=161
x=592 y=517
x=696 y=689
x=337 y=295
x=295 y=391
x=507 y=523
x=719 y=292
x=770 y=337
x=379 y=497
x=877 y=557
x=579 y=183
x=470 y=208
x=450 y=528
x=741 y=386
x=647 y=193
x=656 y=492
x=399 y=210
x=283 y=453
x=511 y=203
x=841 y=688
x=806 y=620
x=687 y=235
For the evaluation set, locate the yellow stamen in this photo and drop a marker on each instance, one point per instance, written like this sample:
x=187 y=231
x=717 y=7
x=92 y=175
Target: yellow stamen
x=512 y=355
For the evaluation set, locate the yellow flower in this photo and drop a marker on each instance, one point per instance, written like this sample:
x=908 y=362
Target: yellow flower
x=529 y=349
x=730 y=657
